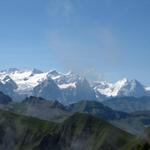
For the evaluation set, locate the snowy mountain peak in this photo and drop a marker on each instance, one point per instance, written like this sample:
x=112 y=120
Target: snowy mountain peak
x=53 y=73
x=122 y=82
x=135 y=82
x=65 y=87
x=6 y=79
x=121 y=88
x=70 y=73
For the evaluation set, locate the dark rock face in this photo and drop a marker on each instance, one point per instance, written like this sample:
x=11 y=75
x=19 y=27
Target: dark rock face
x=84 y=91
x=80 y=92
x=4 y=99
x=8 y=86
x=49 y=142
x=48 y=90
x=36 y=71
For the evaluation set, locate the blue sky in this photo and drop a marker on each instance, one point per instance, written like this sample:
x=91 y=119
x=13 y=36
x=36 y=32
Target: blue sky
x=106 y=39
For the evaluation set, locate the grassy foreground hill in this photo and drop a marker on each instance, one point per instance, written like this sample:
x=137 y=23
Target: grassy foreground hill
x=78 y=132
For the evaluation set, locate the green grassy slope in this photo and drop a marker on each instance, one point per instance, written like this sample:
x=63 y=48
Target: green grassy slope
x=78 y=132
x=94 y=134
x=22 y=133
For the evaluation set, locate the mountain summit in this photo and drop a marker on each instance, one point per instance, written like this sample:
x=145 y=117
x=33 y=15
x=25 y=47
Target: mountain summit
x=122 y=88
x=66 y=88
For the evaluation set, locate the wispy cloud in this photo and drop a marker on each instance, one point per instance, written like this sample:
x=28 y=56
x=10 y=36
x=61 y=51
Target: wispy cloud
x=60 y=7
x=84 y=48
x=101 y=48
x=110 y=45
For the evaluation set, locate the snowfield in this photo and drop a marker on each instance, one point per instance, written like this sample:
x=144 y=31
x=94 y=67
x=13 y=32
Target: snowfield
x=25 y=82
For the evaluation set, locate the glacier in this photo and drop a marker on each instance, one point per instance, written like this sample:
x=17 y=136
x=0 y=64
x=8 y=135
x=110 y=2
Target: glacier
x=65 y=87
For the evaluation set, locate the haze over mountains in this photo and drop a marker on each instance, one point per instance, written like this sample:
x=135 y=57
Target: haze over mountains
x=71 y=126
x=66 y=88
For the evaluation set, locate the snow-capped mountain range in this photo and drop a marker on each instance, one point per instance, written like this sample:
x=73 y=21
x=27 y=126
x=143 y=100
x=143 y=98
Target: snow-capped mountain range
x=121 y=88
x=67 y=88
